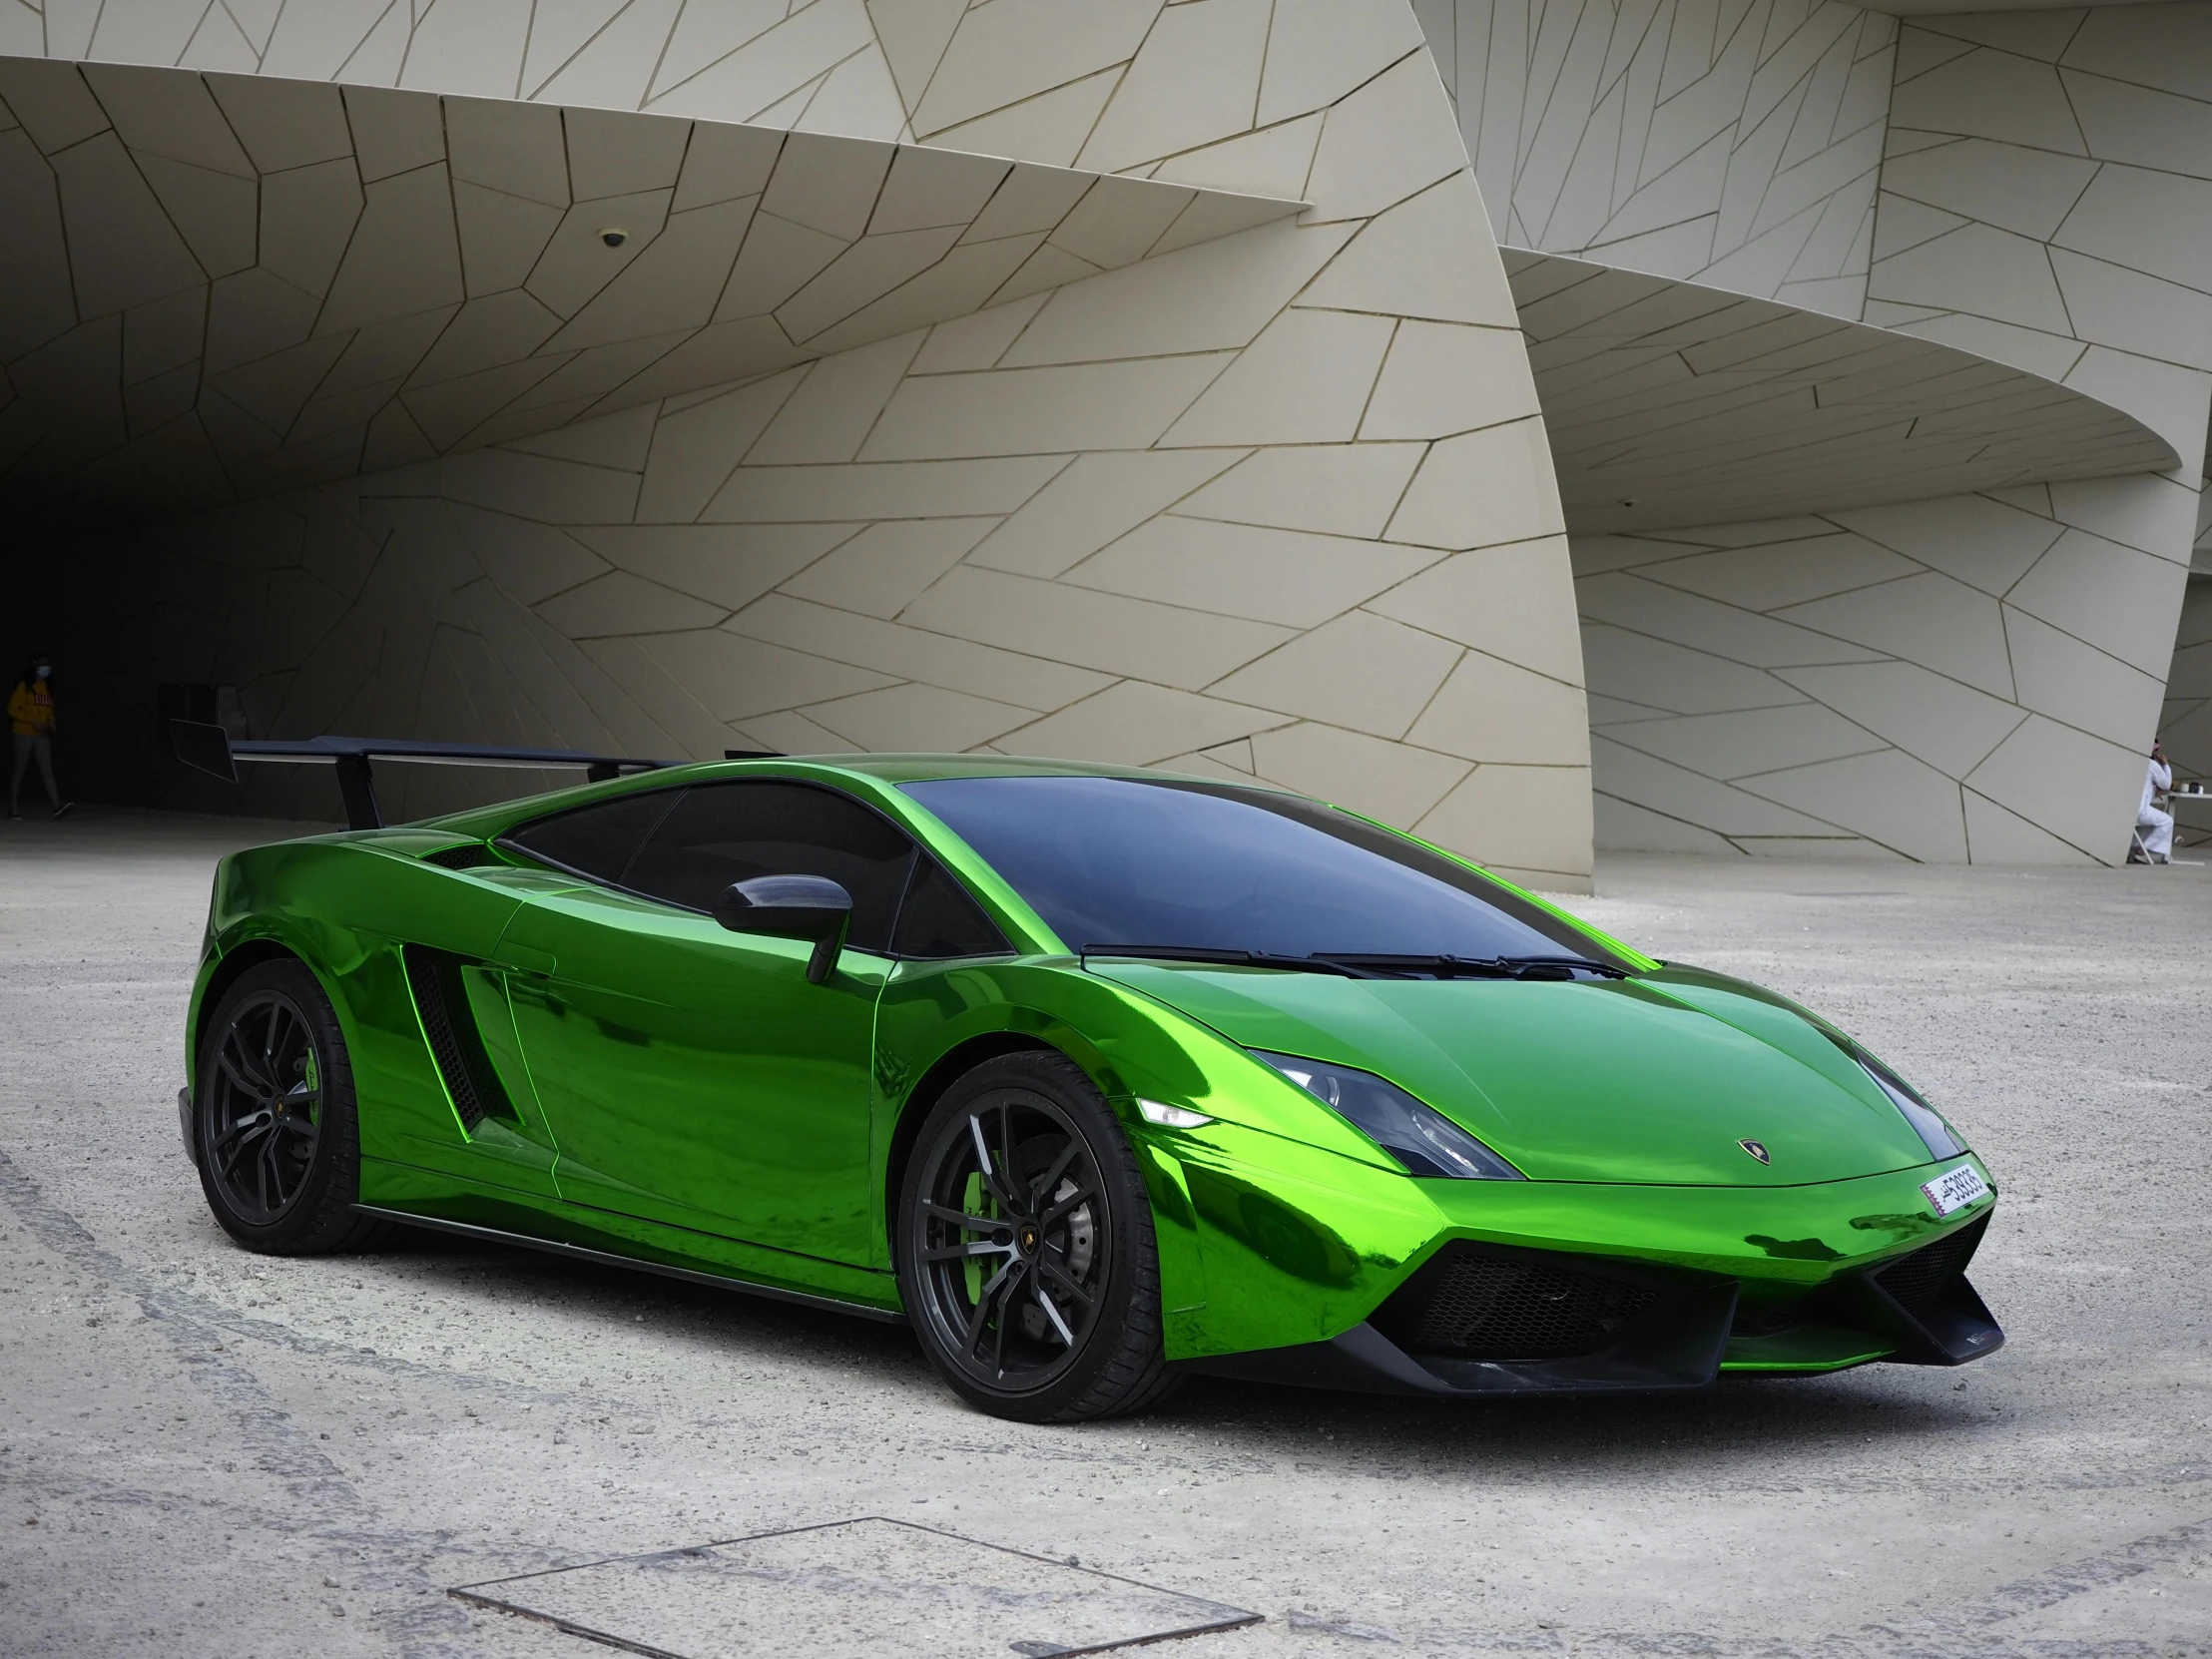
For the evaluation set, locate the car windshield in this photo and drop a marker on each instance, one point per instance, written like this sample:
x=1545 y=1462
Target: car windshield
x=1139 y=861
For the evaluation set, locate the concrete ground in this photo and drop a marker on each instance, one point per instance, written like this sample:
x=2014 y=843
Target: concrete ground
x=203 y=1451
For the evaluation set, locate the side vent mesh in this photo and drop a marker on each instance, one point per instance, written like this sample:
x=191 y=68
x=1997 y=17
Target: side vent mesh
x=469 y=856
x=440 y=997
x=1919 y=1281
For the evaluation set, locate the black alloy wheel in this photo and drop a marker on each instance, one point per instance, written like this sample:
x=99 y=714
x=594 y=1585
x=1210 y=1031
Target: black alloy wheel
x=274 y=1128
x=1026 y=1256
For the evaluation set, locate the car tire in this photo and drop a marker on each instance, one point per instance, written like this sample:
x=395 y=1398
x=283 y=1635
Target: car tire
x=1035 y=1297
x=274 y=1127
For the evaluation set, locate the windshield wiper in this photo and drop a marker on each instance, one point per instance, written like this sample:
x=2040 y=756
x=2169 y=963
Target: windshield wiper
x=1233 y=958
x=1481 y=967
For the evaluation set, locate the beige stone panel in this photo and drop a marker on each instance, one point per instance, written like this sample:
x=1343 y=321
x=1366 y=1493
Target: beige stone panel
x=1931 y=620
x=695 y=450
x=913 y=35
x=2158 y=218
x=827 y=183
x=1029 y=199
x=1337 y=489
x=1659 y=673
x=790 y=732
x=750 y=82
x=528 y=560
x=1430 y=257
x=501 y=236
x=2070 y=682
x=394 y=131
x=616 y=153
x=1119 y=220
x=1003 y=54
x=52 y=101
x=910 y=489
x=725 y=164
x=1791 y=573
x=272 y=388
x=2121 y=601
x=308 y=217
x=739 y=679
x=2133 y=123
x=1320 y=50
x=1623 y=827
x=1494 y=710
x=975 y=341
x=2155 y=515
x=1950 y=726
x=2166 y=397
x=1273 y=161
x=2078 y=787
x=1514 y=602
x=785 y=113
x=1047 y=267
x=1293 y=577
x=1391 y=138
x=1520 y=822
x=673 y=282
x=1360 y=671
x=1445 y=378
x=1495 y=485
x=1134 y=637
x=469 y=48
x=123 y=250
x=1215 y=296
x=777 y=261
x=864 y=272
x=1306 y=380
x=531 y=486
x=490 y=332
x=1101 y=496
x=1691 y=798
x=403 y=257
x=1735 y=745
x=933 y=190
x=1997 y=836
x=2144 y=315
x=2016 y=189
x=620 y=603
x=1110 y=406
x=1134 y=724
x=457 y=408
x=624 y=439
x=665 y=700
x=1983 y=543
x=509 y=146
x=2037 y=351
x=1991 y=95
x=161 y=113
x=1903 y=222
x=577 y=262
x=837 y=402
x=1978 y=268
x=563 y=32
x=1627 y=599
x=705 y=34
x=395 y=441
x=727 y=565
x=916 y=719
x=859 y=99
x=1392 y=781
x=1048 y=128
x=163 y=336
x=933 y=659
x=214 y=212
x=884 y=568
x=1193 y=80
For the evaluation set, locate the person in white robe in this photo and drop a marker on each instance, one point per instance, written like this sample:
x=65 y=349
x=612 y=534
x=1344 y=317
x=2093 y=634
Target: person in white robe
x=2154 y=827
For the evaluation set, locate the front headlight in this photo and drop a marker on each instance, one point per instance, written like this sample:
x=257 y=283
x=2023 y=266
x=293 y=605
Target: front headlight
x=1937 y=1136
x=1414 y=1133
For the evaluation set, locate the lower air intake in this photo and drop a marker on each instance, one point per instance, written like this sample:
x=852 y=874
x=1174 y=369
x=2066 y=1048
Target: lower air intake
x=1480 y=1306
x=1917 y=1282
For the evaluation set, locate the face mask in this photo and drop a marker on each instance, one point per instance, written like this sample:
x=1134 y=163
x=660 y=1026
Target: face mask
x=44 y=672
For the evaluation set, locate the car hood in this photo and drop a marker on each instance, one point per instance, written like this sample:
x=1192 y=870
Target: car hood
x=1656 y=1079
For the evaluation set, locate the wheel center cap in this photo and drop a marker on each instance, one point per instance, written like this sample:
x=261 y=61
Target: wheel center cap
x=1027 y=1238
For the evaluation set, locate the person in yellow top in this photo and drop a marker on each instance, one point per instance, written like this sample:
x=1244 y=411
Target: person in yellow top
x=31 y=723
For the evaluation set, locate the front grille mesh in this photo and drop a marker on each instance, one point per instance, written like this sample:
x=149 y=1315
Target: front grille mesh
x=1917 y=1281
x=1506 y=1308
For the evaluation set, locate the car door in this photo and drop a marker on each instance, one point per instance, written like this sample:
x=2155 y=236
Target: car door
x=692 y=1075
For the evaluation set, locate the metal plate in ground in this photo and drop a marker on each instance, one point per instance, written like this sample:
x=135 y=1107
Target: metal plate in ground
x=853 y=1588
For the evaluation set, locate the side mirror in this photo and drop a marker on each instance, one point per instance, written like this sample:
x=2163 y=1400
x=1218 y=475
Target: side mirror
x=791 y=908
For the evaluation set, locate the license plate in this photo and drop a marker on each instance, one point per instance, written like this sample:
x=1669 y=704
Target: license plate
x=1956 y=1190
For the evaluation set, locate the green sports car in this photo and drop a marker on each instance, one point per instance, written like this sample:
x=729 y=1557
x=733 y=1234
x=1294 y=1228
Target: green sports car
x=1093 y=1075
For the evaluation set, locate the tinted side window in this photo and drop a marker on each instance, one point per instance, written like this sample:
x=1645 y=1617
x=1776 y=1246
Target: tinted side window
x=939 y=920
x=724 y=833
x=595 y=841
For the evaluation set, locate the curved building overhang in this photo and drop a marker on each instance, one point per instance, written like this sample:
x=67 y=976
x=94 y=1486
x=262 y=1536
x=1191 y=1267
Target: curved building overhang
x=1670 y=403
x=222 y=285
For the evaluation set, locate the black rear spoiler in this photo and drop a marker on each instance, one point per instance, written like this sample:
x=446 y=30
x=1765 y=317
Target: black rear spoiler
x=213 y=750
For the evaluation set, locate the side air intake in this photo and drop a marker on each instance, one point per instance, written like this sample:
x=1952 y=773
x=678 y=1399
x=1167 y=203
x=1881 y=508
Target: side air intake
x=457 y=1048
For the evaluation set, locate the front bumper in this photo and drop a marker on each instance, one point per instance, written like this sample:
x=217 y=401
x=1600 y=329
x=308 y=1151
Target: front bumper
x=1462 y=1287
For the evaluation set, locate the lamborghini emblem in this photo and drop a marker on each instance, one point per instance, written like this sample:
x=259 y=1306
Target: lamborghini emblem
x=1758 y=1149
